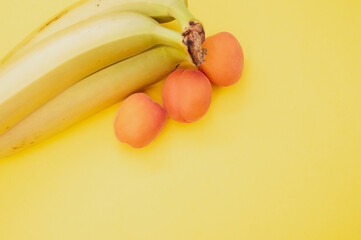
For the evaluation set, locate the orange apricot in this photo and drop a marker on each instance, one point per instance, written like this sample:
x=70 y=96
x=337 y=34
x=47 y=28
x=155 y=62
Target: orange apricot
x=139 y=120
x=187 y=95
x=224 y=61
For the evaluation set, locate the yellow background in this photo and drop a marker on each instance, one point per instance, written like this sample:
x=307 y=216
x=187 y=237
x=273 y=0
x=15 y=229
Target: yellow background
x=278 y=156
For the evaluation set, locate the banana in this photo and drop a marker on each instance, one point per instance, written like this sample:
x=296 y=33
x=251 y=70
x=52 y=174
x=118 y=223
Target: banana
x=66 y=57
x=161 y=10
x=94 y=93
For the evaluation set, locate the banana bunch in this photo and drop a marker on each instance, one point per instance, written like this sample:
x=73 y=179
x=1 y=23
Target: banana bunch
x=87 y=58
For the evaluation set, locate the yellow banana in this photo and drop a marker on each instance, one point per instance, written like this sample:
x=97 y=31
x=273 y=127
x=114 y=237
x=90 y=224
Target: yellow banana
x=161 y=10
x=94 y=93
x=56 y=63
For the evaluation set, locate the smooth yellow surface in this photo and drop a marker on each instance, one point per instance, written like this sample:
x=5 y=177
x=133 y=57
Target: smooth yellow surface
x=278 y=156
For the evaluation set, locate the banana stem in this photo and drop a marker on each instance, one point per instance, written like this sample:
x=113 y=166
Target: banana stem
x=194 y=37
x=192 y=32
x=183 y=16
x=187 y=42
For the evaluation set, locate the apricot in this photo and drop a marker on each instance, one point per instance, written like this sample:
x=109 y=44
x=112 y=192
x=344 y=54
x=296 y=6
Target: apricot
x=139 y=120
x=224 y=61
x=187 y=95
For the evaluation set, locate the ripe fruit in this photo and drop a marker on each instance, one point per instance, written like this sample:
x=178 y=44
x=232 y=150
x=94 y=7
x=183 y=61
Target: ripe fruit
x=224 y=60
x=187 y=95
x=139 y=120
x=58 y=66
